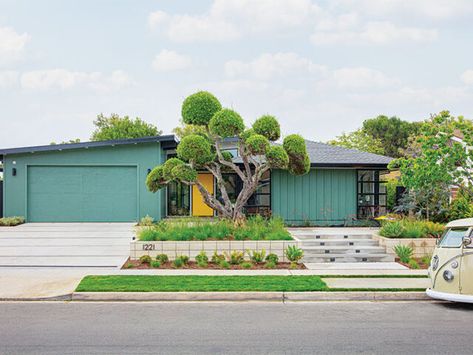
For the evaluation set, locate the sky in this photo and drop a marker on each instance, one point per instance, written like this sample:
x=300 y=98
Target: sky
x=320 y=67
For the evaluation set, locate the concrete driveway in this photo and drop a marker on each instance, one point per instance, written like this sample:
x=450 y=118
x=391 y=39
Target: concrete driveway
x=65 y=245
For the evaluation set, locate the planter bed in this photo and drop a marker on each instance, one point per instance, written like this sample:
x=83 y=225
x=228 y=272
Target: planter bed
x=136 y=264
x=422 y=265
x=420 y=246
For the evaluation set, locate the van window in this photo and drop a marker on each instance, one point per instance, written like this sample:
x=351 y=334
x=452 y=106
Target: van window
x=453 y=237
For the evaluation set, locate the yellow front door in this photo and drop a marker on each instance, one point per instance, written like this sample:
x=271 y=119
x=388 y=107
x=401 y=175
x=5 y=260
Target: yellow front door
x=199 y=208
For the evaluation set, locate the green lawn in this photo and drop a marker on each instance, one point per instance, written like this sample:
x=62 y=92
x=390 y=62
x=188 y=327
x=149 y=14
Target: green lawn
x=153 y=283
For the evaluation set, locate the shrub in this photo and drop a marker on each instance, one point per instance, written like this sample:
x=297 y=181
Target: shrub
x=169 y=165
x=199 y=108
x=155 y=179
x=391 y=229
x=162 y=258
x=413 y=264
x=145 y=259
x=413 y=229
x=217 y=258
x=195 y=148
x=147 y=221
x=178 y=263
x=11 y=221
x=294 y=254
x=267 y=126
x=403 y=252
x=224 y=264
x=273 y=258
x=202 y=257
x=461 y=207
x=426 y=259
x=246 y=265
x=203 y=264
x=184 y=258
x=226 y=123
x=257 y=256
x=128 y=265
x=269 y=265
x=295 y=147
x=434 y=229
x=155 y=264
x=235 y=257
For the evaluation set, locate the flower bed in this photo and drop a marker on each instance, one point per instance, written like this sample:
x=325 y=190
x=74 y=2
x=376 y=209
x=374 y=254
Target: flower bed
x=410 y=228
x=420 y=246
x=256 y=228
x=11 y=221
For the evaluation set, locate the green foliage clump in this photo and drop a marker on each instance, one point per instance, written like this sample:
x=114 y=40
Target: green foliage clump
x=294 y=254
x=269 y=265
x=246 y=265
x=359 y=140
x=299 y=161
x=199 y=108
x=169 y=165
x=268 y=126
x=146 y=221
x=224 y=264
x=145 y=259
x=257 y=256
x=184 y=173
x=11 y=221
x=202 y=257
x=461 y=207
x=413 y=264
x=409 y=228
x=226 y=123
x=403 y=252
x=195 y=149
x=155 y=264
x=235 y=257
x=272 y=257
x=246 y=134
x=277 y=157
x=155 y=179
x=257 y=144
x=162 y=258
x=413 y=229
x=116 y=127
x=178 y=263
x=217 y=258
x=227 y=156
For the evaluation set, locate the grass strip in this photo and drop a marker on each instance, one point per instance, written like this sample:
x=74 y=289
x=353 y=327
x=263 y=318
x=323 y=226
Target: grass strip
x=156 y=283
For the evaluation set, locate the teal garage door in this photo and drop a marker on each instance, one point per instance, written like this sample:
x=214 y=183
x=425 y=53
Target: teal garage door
x=82 y=194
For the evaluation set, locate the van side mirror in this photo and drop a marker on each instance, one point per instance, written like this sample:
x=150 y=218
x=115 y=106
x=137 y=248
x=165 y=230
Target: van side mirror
x=466 y=241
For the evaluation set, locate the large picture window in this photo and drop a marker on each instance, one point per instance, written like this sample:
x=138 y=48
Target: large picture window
x=371 y=194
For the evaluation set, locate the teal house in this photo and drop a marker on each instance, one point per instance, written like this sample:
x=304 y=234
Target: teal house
x=105 y=182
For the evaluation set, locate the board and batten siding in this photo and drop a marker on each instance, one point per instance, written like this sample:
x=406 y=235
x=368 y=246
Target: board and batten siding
x=321 y=197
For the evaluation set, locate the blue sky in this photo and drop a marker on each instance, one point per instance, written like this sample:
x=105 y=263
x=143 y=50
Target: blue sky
x=321 y=67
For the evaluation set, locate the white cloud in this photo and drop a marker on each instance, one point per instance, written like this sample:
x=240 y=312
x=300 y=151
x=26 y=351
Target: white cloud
x=231 y=19
x=467 y=77
x=12 y=43
x=269 y=65
x=64 y=79
x=374 y=33
x=168 y=60
x=361 y=77
x=8 y=78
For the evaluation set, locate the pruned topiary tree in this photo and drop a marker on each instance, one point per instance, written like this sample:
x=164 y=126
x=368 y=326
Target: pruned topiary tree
x=203 y=152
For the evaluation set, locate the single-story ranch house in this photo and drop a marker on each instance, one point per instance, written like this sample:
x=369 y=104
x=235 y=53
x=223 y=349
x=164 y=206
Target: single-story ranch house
x=105 y=182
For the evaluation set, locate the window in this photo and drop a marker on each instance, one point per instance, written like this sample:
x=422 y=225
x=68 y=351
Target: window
x=371 y=194
x=178 y=199
x=453 y=237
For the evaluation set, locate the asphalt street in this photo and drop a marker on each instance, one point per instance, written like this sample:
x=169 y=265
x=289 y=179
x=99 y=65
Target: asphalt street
x=235 y=328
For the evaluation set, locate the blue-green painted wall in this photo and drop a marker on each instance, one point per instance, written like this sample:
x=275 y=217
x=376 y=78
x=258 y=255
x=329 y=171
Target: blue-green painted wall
x=142 y=156
x=321 y=197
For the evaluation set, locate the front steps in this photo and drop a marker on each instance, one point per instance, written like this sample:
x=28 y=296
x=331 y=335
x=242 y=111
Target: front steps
x=344 y=247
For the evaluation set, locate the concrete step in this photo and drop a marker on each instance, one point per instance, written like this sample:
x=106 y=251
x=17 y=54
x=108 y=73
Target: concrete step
x=348 y=258
x=305 y=237
x=313 y=250
x=337 y=242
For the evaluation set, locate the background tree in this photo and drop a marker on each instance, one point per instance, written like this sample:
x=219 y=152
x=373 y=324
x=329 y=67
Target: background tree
x=188 y=129
x=198 y=152
x=116 y=127
x=438 y=162
x=392 y=132
x=359 y=140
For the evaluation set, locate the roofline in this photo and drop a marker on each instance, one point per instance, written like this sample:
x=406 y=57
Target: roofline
x=349 y=165
x=169 y=142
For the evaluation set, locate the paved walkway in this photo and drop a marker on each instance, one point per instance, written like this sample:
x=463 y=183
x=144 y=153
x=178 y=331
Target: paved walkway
x=65 y=244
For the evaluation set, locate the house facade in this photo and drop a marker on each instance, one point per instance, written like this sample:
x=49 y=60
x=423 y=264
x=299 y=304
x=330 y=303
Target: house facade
x=105 y=182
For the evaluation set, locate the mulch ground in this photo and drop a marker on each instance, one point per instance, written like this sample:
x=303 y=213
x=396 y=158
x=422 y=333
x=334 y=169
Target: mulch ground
x=136 y=264
x=422 y=265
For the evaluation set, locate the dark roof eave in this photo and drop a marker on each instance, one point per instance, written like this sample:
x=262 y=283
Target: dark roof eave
x=349 y=165
x=168 y=141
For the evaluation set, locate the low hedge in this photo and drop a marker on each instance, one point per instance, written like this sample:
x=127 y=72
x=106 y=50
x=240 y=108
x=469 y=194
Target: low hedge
x=11 y=221
x=410 y=228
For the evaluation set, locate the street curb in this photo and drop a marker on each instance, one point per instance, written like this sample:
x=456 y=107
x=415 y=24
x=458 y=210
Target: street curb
x=67 y=297
x=249 y=296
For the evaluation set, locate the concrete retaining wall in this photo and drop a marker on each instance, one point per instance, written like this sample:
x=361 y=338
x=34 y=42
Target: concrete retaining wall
x=421 y=246
x=192 y=248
